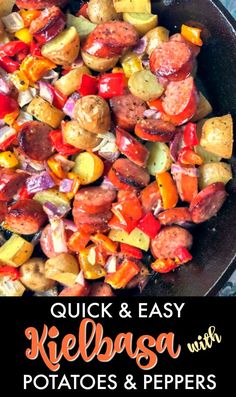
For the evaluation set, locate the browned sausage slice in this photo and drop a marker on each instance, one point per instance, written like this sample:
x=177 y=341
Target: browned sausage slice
x=176 y=215
x=48 y=25
x=34 y=140
x=194 y=48
x=94 y=199
x=116 y=34
x=81 y=217
x=40 y=4
x=155 y=130
x=3 y=210
x=127 y=110
x=208 y=202
x=180 y=99
x=25 y=217
x=130 y=173
x=172 y=60
x=101 y=289
x=10 y=182
x=168 y=240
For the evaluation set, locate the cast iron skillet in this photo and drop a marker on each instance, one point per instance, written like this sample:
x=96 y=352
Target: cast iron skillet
x=214 y=250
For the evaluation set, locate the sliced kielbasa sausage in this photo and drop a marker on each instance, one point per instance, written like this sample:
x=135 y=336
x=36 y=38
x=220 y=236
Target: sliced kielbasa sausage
x=194 y=48
x=48 y=25
x=125 y=175
x=101 y=289
x=176 y=215
x=170 y=238
x=40 y=4
x=172 y=60
x=3 y=210
x=155 y=130
x=76 y=290
x=208 y=202
x=25 y=217
x=127 y=110
x=150 y=197
x=93 y=47
x=94 y=199
x=116 y=34
x=180 y=100
x=46 y=242
x=34 y=140
x=10 y=182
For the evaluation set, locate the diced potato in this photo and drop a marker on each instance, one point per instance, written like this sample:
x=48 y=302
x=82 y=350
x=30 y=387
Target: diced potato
x=155 y=37
x=87 y=260
x=11 y=288
x=143 y=23
x=52 y=196
x=145 y=85
x=71 y=81
x=88 y=167
x=45 y=112
x=101 y=11
x=83 y=26
x=64 y=48
x=77 y=136
x=143 y=6
x=63 y=268
x=217 y=136
x=99 y=64
x=159 y=159
x=214 y=172
x=6 y=7
x=204 y=108
x=206 y=156
x=32 y=275
x=15 y=251
x=136 y=238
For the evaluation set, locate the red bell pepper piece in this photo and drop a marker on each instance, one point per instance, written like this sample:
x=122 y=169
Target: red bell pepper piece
x=190 y=134
x=128 y=250
x=63 y=148
x=4 y=145
x=125 y=272
x=183 y=255
x=9 y=271
x=88 y=85
x=83 y=11
x=35 y=49
x=8 y=64
x=24 y=194
x=149 y=225
x=127 y=225
x=13 y=48
x=111 y=84
x=7 y=105
x=59 y=99
x=188 y=156
x=128 y=210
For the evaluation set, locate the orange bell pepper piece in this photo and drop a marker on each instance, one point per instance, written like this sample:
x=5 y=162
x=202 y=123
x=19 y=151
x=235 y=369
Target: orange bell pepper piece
x=192 y=34
x=56 y=167
x=28 y=16
x=34 y=67
x=76 y=185
x=168 y=190
x=78 y=241
x=164 y=265
x=126 y=271
x=188 y=156
x=105 y=243
x=11 y=117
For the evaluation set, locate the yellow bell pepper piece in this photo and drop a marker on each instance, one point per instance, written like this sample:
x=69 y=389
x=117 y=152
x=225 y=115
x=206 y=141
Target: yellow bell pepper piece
x=131 y=64
x=136 y=238
x=116 y=69
x=76 y=185
x=34 y=67
x=56 y=167
x=192 y=34
x=8 y=160
x=24 y=35
x=168 y=190
x=15 y=251
x=20 y=80
x=91 y=269
x=11 y=117
x=28 y=16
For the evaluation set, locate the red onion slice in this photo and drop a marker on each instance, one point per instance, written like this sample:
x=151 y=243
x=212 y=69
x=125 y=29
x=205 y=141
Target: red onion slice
x=69 y=106
x=140 y=48
x=66 y=185
x=175 y=145
x=58 y=235
x=190 y=171
x=46 y=92
x=39 y=182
